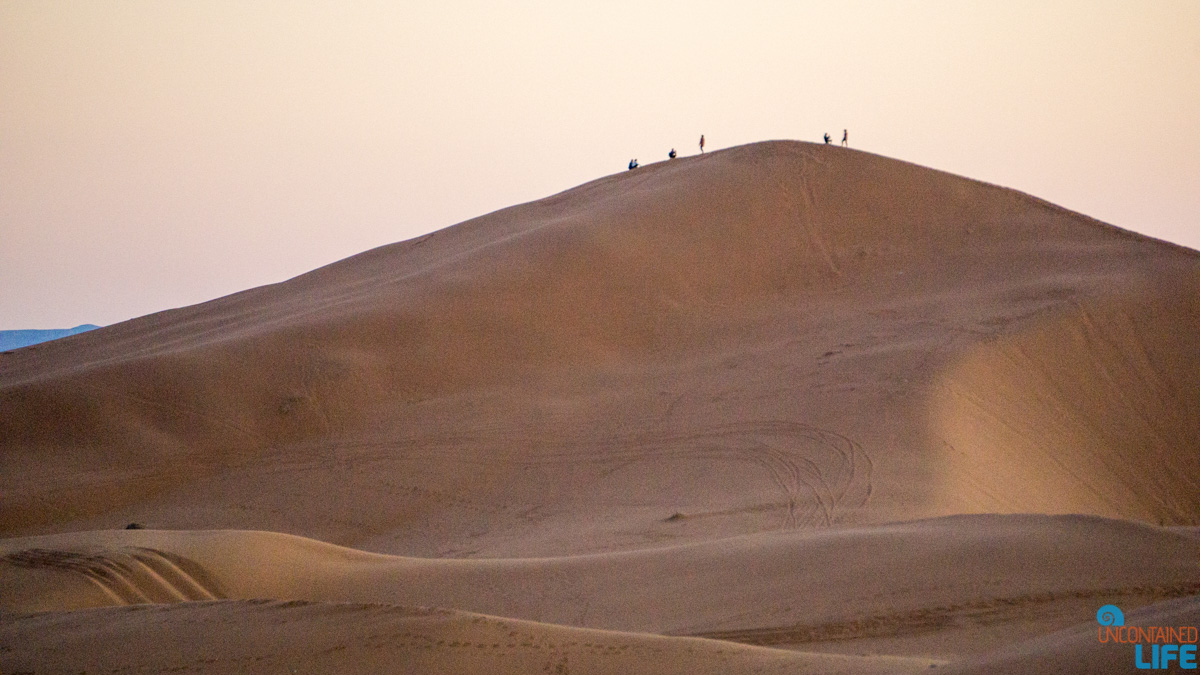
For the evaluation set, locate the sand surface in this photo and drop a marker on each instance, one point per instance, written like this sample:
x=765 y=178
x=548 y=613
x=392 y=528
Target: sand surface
x=779 y=408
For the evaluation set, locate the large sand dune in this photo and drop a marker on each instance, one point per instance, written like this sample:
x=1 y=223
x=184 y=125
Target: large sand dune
x=698 y=398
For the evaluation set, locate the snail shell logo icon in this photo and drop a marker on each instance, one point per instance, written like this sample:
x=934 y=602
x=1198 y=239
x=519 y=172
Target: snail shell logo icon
x=1110 y=615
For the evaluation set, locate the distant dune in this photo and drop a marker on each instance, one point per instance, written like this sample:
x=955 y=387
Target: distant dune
x=14 y=339
x=747 y=396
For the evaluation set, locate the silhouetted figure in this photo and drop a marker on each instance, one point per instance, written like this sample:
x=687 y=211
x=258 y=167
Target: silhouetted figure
x=701 y=143
x=845 y=138
x=827 y=139
x=633 y=164
x=671 y=154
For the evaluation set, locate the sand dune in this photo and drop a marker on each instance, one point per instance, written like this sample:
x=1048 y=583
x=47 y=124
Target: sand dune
x=293 y=637
x=710 y=396
x=803 y=589
x=701 y=337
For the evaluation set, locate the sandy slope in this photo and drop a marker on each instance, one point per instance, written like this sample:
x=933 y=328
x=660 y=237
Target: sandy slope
x=1093 y=411
x=298 y=637
x=936 y=588
x=696 y=398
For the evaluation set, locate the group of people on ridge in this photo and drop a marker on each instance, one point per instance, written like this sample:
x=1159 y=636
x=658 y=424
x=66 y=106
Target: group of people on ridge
x=845 y=138
x=633 y=163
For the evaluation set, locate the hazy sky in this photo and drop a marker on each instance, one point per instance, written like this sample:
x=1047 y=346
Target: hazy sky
x=155 y=154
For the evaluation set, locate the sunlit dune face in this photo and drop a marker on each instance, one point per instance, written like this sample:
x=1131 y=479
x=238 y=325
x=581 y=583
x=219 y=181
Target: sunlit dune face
x=1089 y=410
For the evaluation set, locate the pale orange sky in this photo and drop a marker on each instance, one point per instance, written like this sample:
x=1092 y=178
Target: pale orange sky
x=156 y=154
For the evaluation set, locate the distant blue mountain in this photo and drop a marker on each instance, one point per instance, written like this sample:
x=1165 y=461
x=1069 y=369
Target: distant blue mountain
x=12 y=339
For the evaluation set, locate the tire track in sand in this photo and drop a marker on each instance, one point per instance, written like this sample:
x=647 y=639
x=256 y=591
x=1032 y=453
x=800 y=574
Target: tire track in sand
x=818 y=473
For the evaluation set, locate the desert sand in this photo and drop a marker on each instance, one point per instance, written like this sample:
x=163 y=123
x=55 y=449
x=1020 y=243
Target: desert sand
x=779 y=408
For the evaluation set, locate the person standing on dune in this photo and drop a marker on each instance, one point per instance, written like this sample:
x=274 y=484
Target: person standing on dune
x=702 y=144
x=845 y=138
